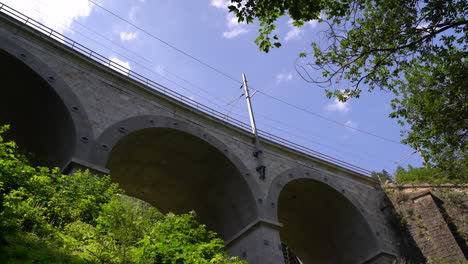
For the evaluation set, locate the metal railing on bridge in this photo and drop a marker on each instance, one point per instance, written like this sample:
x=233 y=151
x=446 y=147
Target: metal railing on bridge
x=168 y=92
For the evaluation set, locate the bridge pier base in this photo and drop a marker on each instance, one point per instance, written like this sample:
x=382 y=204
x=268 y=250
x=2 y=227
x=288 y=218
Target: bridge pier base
x=381 y=258
x=258 y=243
x=76 y=164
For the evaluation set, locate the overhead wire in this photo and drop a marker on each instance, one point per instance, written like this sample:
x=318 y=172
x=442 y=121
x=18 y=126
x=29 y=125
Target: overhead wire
x=238 y=81
x=145 y=59
x=268 y=135
x=264 y=93
x=406 y=157
x=328 y=119
x=295 y=128
x=287 y=128
x=233 y=103
x=288 y=131
x=165 y=42
x=143 y=66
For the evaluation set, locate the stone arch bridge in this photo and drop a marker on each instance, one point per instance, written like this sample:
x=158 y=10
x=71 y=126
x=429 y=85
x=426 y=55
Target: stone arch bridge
x=74 y=111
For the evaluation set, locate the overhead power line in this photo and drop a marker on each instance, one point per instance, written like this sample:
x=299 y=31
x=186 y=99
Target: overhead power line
x=167 y=43
x=141 y=65
x=238 y=81
x=232 y=103
x=131 y=74
x=328 y=119
x=406 y=157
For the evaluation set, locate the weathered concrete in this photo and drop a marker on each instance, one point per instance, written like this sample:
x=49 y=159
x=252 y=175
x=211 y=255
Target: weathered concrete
x=76 y=113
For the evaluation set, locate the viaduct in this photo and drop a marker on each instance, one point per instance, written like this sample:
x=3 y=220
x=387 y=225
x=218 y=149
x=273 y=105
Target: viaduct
x=76 y=109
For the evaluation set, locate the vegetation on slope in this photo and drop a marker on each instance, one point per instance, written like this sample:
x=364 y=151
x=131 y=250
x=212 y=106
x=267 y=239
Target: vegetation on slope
x=47 y=217
x=430 y=174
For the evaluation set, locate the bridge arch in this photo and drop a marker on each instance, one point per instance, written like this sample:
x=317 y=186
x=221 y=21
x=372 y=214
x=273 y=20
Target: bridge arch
x=178 y=167
x=45 y=115
x=322 y=223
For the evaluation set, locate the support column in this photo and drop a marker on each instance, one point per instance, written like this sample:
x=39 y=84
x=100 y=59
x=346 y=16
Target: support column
x=75 y=165
x=381 y=258
x=258 y=243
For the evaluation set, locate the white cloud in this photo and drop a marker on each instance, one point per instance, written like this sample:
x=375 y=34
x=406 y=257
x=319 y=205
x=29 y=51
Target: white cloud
x=351 y=125
x=132 y=13
x=295 y=32
x=56 y=14
x=121 y=63
x=313 y=23
x=128 y=35
x=338 y=106
x=283 y=77
x=234 y=32
x=234 y=27
x=423 y=25
x=159 y=69
x=219 y=3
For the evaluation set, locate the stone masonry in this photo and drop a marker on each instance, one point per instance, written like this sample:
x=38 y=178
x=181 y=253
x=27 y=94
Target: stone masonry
x=435 y=217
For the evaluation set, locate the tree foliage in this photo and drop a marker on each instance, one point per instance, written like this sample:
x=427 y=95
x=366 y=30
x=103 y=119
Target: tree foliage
x=383 y=176
x=47 y=217
x=425 y=175
x=416 y=49
x=269 y=11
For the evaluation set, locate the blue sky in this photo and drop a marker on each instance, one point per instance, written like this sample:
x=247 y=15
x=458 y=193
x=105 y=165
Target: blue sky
x=206 y=31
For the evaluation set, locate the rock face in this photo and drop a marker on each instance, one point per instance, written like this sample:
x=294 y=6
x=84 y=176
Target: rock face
x=435 y=218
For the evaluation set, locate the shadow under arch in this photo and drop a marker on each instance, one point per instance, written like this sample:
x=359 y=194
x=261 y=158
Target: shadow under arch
x=46 y=117
x=178 y=167
x=321 y=223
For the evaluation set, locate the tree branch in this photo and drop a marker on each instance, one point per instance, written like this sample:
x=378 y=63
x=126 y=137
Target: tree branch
x=432 y=34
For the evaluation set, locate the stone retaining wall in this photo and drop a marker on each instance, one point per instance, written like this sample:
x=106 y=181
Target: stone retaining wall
x=435 y=218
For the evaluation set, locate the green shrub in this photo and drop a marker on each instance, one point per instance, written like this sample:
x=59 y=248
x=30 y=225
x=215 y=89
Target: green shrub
x=47 y=217
x=425 y=175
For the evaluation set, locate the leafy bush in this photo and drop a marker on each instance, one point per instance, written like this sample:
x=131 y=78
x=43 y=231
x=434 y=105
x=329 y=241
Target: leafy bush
x=383 y=176
x=47 y=217
x=426 y=175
